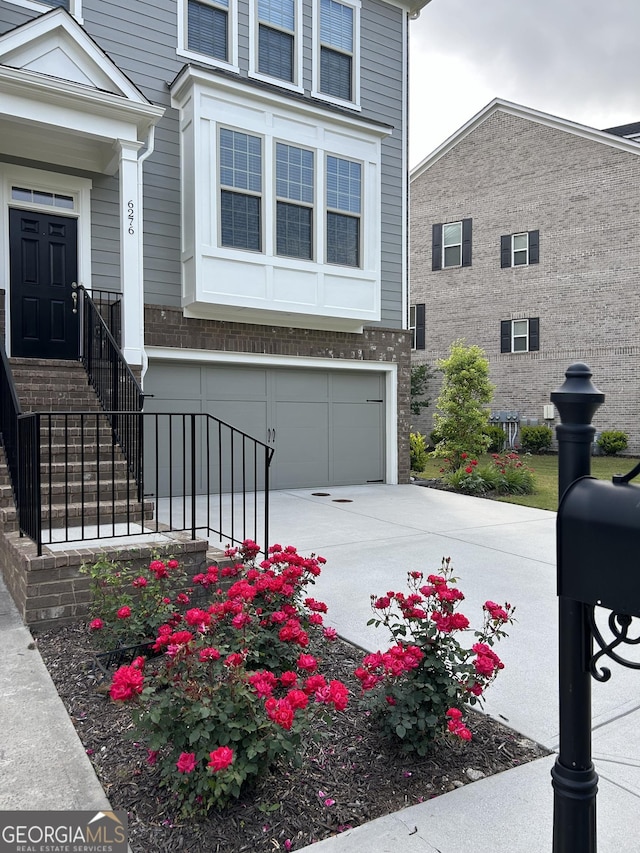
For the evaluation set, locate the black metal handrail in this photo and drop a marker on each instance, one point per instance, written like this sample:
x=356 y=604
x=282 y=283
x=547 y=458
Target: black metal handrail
x=116 y=387
x=9 y=411
x=200 y=475
x=109 y=305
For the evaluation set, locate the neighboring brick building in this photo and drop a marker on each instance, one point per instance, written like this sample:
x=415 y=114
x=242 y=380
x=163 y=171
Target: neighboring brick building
x=525 y=241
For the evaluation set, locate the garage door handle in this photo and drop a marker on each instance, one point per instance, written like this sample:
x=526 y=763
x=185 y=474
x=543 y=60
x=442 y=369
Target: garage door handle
x=271 y=435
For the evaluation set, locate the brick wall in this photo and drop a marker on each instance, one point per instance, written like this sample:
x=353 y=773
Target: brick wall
x=168 y=327
x=511 y=174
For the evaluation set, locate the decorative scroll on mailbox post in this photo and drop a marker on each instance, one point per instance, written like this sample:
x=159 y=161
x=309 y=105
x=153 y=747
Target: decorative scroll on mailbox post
x=598 y=526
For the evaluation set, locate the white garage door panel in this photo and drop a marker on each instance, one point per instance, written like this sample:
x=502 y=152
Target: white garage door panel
x=326 y=426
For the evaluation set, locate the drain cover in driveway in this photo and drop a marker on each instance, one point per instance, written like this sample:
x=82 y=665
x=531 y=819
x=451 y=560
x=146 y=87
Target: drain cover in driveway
x=320 y=494
x=342 y=501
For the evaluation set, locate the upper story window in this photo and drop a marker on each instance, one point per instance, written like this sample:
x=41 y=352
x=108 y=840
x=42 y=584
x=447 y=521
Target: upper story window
x=276 y=38
x=520 y=335
x=295 y=193
x=344 y=203
x=337 y=73
x=518 y=250
x=240 y=190
x=206 y=30
x=451 y=245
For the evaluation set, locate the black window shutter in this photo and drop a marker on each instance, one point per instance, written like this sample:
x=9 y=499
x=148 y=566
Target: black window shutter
x=436 y=257
x=505 y=251
x=420 y=318
x=534 y=334
x=466 y=242
x=534 y=247
x=505 y=336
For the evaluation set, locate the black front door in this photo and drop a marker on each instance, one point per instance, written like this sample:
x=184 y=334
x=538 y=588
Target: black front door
x=43 y=263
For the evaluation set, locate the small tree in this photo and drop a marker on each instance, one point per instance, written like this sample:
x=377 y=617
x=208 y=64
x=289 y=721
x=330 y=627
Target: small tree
x=420 y=376
x=461 y=417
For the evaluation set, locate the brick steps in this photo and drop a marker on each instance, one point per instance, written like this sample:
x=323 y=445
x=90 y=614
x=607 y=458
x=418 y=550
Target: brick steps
x=79 y=460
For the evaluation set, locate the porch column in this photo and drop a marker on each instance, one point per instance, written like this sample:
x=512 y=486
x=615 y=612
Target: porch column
x=131 y=267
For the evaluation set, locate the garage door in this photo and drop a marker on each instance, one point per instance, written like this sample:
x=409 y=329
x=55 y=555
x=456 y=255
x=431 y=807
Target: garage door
x=326 y=427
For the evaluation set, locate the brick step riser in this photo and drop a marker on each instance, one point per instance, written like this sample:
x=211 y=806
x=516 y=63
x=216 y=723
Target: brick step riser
x=70 y=516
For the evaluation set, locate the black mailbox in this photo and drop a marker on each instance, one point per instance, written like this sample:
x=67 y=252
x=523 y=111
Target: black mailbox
x=598 y=528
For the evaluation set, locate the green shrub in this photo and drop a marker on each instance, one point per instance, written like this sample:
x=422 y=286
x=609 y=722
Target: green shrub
x=434 y=437
x=612 y=441
x=506 y=474
x=418 y=448
x=461 y=416
x=497 y=437
x=536 y=439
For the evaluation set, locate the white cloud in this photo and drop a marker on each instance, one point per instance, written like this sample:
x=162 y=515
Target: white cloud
x=573 y=58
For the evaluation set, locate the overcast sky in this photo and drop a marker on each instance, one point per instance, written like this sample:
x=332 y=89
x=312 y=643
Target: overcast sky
x=577 y=59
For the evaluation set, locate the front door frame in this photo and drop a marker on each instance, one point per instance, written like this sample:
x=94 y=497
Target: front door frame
x=52 y=182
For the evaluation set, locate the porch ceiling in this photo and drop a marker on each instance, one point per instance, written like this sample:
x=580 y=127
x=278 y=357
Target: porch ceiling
x=63 y=123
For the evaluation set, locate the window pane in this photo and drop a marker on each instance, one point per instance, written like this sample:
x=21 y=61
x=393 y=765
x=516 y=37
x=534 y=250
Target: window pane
x=275 y=53
x=278 y=12
x=240 y=216
x=343 y=240
x=336 y=25
x=335 y=74
x=520 y=327
x=344 y=184
x=519 y=258
x=519 y=344
x=452 y=256
x=240 y=160
x=293 y=231
x=294 y=173
x=207 y=29
x=452 y=233
x=520 y=241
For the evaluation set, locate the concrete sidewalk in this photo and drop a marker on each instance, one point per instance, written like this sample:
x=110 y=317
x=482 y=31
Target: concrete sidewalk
x=371 y=536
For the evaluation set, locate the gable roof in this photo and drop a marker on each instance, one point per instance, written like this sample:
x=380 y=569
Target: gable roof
x=605 y=137
x=55 y=46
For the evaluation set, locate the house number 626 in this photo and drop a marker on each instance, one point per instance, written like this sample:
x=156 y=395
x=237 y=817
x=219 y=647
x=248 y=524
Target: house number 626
x=130 y=216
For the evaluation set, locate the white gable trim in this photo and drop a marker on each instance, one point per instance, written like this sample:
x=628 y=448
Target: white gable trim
x=55 y=44
x=498 y=105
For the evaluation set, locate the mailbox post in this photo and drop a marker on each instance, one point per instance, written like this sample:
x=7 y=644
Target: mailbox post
x=575 y=781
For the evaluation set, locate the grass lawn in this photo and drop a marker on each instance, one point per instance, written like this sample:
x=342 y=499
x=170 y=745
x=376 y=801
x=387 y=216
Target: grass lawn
x=546 y=474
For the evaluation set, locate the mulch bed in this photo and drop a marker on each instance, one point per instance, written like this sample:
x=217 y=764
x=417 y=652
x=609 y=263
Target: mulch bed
x=352 y=775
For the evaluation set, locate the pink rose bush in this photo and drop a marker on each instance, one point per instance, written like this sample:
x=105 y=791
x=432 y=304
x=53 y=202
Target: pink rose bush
x=234 y=684
x=129 y=604
x=419 y=686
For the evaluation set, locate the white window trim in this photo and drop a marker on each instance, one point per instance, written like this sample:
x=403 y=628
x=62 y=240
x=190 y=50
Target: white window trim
x=359 y=216
x=355 y=68
x=254 y=42
x=514 y=336
x=265 y=240
x=514 y=250
x=313 y=206
x=451 y=266
x=412 y=326
x=75 y=7
x=204 y=58
x=78 y=188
